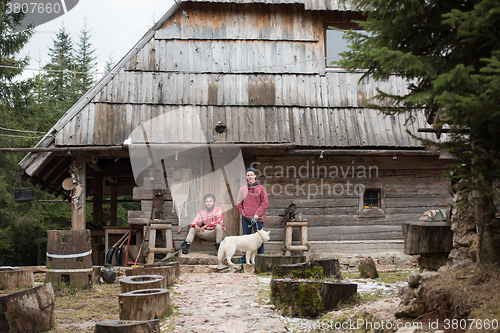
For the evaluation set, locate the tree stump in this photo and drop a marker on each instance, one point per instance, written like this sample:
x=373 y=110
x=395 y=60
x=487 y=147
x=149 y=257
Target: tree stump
x=138 y=282
x=168 y=272
x=331 y=267
x=30 y=310
x=128 y=326
x=427 y=237
x=175 y=264
x=297 y=298
x=335 y=292
x=290 y=270
x=265 y=262
x=145 y=304
x=317 y=268
x=16 y=278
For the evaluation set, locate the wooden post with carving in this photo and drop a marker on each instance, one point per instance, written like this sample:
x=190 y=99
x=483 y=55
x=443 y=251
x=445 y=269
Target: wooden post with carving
x=79 y=194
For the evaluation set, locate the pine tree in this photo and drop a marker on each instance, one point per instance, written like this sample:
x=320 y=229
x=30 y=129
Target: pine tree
x=84 y=61
x=110 y=63
x=60 y=86
x=449 y=51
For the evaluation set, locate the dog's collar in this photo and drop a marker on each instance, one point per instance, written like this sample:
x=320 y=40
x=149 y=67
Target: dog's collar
x=258 y=231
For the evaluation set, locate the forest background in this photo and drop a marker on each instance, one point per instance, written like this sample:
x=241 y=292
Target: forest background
x=28 y=109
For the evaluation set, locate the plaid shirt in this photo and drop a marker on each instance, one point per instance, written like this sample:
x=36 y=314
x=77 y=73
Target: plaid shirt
x=211 y=219
x=252 y=199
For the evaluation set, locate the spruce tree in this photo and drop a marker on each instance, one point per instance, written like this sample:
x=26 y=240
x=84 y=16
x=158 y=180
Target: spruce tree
x=449 y=51
x=110 y=63
x=60 y=82
x=84 y=61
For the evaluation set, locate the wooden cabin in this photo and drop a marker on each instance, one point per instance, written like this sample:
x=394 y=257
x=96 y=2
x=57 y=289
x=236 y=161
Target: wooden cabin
x=263 y=70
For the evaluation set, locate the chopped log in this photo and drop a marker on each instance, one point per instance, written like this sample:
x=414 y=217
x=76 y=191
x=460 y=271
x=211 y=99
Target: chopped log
x=16 y=278
x=168 y=272
x=335 y=292
x=290 y=270
x=175 y=264
x=427 y=237
x=128 y=326
x=329 y=268
x=30 y=310
x=297 y=298
x=145 y=304
x=265 y=262
x=138 y=282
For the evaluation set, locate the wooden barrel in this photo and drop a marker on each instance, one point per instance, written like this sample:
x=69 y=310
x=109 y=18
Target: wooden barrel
x=128 y=326
x=69 y=257
x=16 y=278
x=145 y=304
x=30 y=310
x=137 y=282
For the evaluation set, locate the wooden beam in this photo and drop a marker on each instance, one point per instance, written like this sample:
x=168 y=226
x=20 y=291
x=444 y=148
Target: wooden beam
x=78 y=209
x=379 y=152
x=63 y=149
x=97 y=202
x=113 y=206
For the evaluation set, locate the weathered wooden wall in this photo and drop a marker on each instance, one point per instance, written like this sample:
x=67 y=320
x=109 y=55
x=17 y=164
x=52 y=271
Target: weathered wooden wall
x=260 y=69
x=411 y=185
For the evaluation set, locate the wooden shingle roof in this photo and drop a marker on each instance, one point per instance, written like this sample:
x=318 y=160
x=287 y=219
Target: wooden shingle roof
x=259 y=68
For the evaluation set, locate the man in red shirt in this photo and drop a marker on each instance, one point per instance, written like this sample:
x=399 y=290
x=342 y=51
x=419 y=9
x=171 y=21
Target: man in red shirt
x=207 y=225
x=252 y=203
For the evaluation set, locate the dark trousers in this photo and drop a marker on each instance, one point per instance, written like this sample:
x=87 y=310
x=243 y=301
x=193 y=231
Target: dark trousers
x=247 y=230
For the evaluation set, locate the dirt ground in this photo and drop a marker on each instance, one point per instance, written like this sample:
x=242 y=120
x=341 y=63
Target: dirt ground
x=220 y=302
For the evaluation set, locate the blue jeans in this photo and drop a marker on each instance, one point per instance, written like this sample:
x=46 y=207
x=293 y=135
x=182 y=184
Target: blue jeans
x=248 y=230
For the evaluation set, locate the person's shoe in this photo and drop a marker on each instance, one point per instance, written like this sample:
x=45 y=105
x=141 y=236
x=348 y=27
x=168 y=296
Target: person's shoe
x=217 y=249
x=242 y=260
x=185 y=248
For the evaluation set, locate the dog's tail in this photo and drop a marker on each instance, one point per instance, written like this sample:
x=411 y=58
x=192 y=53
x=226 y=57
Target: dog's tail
x=221 y=253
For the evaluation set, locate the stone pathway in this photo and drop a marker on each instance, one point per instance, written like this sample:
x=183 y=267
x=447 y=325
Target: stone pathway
x=220 y=302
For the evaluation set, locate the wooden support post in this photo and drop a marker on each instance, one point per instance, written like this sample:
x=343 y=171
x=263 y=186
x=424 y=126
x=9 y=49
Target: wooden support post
x=113 y=206
x=152 y=245
x=79 y=193
x=288 y=239
x=97 y=202
x=288 y=247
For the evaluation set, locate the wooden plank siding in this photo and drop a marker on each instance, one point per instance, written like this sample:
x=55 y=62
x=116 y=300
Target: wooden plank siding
x=240 y=89
x=334 y=127
x=319 y=187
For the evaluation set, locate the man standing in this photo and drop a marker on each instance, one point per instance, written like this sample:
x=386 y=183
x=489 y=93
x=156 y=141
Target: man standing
x=207 y=225
x=252 y=204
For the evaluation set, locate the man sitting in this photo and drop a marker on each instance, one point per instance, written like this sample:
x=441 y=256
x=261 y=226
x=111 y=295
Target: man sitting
x=207 y=225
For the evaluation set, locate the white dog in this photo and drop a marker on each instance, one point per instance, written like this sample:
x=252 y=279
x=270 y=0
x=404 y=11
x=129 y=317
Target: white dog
x=248 y=244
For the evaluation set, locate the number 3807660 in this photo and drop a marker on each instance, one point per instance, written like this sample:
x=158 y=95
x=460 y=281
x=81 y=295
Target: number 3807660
x=33 y=8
